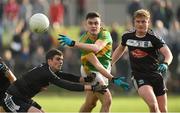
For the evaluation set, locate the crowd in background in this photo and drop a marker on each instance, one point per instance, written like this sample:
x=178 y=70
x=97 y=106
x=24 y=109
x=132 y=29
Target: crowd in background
x=22 y=49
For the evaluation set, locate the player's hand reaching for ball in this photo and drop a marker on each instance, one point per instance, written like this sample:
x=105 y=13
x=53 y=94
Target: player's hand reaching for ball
x=65 y=40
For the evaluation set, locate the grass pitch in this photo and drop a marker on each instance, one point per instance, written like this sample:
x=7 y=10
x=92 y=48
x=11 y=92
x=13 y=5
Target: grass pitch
x=72 y=103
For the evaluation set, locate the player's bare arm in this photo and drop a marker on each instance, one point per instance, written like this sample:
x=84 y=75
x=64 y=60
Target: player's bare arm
x=95 y=62
x=119 y=51
x=10 y=76
x=96 y=47
x=167 y=54
x=7 y=72
x=119 y=81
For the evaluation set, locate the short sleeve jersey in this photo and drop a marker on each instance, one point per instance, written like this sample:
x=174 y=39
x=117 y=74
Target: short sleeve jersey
x=104 y=55
x=143 y=52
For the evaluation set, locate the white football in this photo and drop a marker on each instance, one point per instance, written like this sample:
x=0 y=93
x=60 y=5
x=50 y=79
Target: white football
x=39 y=23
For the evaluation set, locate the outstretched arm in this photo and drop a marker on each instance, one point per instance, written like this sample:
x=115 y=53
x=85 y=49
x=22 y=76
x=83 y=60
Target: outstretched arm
x=77 y=87
x=118 y=81
x=75 y=78
x=69 y=77
x=95 y=62
x=96 y=47
x=119 y=51
x=67 y=84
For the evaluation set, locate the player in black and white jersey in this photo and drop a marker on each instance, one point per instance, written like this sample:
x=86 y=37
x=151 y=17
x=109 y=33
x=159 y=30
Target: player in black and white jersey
x=18 y=97
x=144 y=48
x=6 y=78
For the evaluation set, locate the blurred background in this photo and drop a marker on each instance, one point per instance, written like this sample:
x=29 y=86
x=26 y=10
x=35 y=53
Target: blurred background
x=22 y=49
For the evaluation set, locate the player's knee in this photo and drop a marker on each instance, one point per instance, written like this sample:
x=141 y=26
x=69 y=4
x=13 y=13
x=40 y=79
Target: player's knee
x=107 y=102
x=163 y=109
x=108 y=99
x=92 y=105
x=34 y=109
x=153 y=106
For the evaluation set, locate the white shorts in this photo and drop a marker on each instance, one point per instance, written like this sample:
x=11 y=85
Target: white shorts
x=99 y=77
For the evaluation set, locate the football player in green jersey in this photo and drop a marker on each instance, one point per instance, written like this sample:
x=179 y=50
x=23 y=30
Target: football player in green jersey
x=96 y=48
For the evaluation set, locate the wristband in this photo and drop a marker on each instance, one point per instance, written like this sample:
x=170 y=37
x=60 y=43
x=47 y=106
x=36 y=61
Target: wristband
x=73 y=43
x=165 y=63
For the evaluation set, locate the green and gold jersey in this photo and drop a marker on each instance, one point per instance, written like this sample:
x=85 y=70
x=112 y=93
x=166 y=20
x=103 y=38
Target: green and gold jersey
x=104 y=55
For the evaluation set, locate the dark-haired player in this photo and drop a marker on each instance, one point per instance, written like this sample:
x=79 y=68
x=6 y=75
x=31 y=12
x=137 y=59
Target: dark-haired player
x=96 y=47
x=18 y=97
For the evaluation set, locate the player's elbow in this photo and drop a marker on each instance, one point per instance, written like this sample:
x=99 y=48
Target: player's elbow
x=96 y=49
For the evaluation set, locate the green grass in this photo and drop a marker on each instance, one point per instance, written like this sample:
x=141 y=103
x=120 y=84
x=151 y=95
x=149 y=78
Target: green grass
x=69 y=103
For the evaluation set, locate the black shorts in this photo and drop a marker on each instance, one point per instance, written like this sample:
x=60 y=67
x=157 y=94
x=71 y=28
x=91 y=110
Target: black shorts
x=0 y=102
x=1 y=97
x=157 y=84
x=14 y=104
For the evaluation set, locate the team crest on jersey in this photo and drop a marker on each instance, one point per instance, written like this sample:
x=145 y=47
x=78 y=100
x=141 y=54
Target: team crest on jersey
x=139 y=43
x=137 y=53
